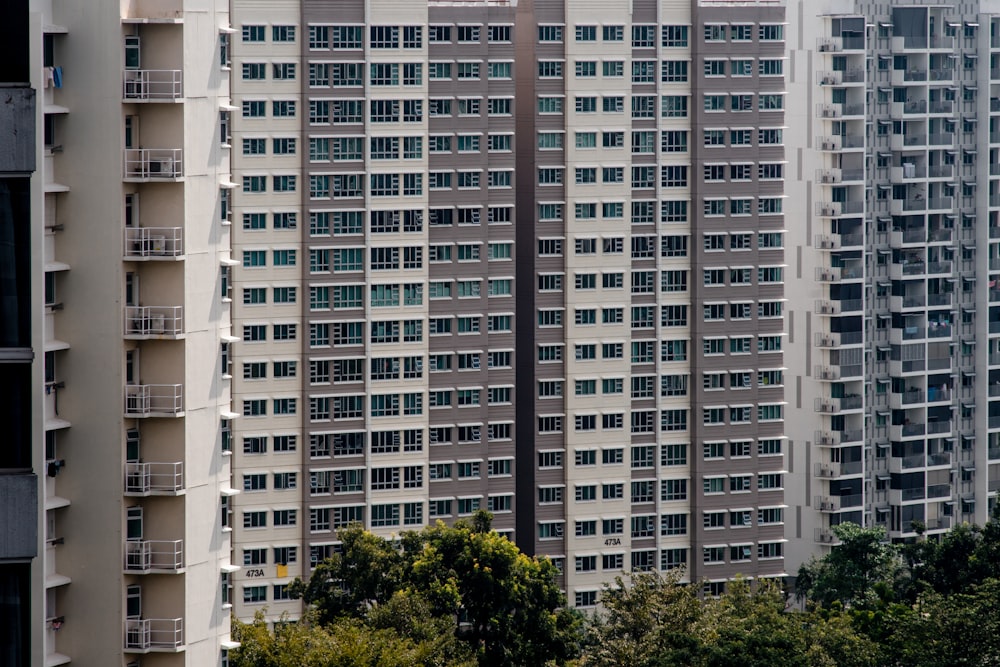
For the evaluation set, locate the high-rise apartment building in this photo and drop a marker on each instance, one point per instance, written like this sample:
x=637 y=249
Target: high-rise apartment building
x=121 y=242
x=375 y=295
x=21 y=463
x=384 y=171
x=893 y=115
x=655 y=317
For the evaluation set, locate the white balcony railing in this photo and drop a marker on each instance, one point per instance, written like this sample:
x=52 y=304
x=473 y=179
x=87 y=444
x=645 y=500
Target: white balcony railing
x=151 y=242
x=148 y=555
x=151 y=634
x=142 y=85
x=153 y=163
x=144 y=400
x=154 y=320
x=154 y=478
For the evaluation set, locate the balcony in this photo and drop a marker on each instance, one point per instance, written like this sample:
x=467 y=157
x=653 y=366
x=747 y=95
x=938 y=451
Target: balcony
x=154 y=322
x=141 y=243
x=838 y=44
x=154 y=400
x=152 y=85
x=838 y=373
x=834 y=176
x=834 y=209
x=899 y=431
x=836 y=438
x=939 y=459
x=149 y=635
x=825 y=536
x=839 y=339
x=827 y=470
x=154 y=556
x=154 y=479
x=944 y=106
x=938 y=523
x=840 y=77
x=908 y=142
x=153 y=164
x=838 y=142
x=827 y=503
x=839 y=110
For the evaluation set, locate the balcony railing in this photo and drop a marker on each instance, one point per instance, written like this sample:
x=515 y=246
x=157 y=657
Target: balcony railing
x=827 y=470
x=939 y=523
x=938 y=490
x=851 y=500
x=938 y=427
x=154 y=320
x=154 y=478
x=145 y=400
x=152 y=242
x=149 y=555
x=153 y=163
x=142 y=85
x=827 y=503
x=825 y=536
x=152 y=634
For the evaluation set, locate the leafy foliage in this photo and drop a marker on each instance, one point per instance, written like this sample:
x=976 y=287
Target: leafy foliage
x=506 y=607
x=463 y=596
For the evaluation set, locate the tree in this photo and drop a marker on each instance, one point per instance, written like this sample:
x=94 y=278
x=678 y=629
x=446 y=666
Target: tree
x=852 y=570
x=368 y=571
x=344 y=643
x=648 y=620
x=749 y=628
x=652 y=620
x=506 y=606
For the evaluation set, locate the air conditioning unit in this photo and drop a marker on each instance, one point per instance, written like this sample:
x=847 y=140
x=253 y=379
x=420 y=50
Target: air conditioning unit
x=830 y=145
x=156 y=324
x=162 y=166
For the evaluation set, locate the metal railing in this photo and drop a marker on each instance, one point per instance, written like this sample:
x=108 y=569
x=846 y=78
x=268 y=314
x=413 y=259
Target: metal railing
x=153 y=633
x=146 y=555
x=938 y=490
x=154 y=477
x=939 y=427
x=152 y=84
x=153 y=242
x=153 y=163
x=145 y=399
x=154 y=320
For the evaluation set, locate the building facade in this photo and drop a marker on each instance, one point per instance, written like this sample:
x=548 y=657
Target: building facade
x=130 y=329
x=21 y=462
x=656 y=331
x=375 y=291
x=892 y=113
x=384 y=170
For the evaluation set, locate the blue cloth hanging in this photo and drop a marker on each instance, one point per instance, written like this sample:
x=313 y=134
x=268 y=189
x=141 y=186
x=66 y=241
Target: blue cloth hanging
x=57 y=77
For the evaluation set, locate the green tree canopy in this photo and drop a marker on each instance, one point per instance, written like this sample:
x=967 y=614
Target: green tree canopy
x=506 y=606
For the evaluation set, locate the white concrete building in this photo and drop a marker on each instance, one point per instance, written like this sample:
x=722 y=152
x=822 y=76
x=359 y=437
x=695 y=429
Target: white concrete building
x=131 y=218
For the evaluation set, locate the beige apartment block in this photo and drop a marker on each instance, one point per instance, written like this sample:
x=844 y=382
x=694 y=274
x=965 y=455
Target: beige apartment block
x=403 y=222
x=130 y=218
x=657 y=184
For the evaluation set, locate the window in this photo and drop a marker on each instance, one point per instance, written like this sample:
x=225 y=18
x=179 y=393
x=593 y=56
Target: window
x=674 y=36
x=674 y=71
x=586 y=33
